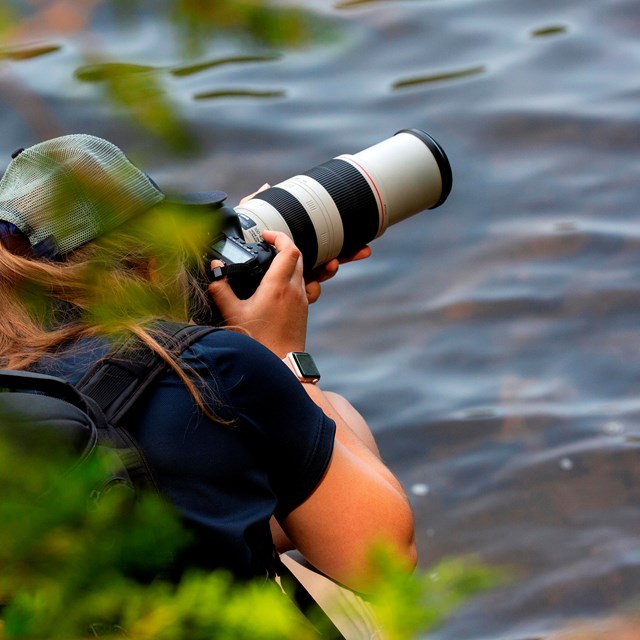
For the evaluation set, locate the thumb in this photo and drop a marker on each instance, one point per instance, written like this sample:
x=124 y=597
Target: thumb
x=222 y=293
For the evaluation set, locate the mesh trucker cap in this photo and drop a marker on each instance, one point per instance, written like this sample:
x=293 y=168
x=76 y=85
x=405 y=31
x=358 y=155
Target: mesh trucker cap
x=65 y=192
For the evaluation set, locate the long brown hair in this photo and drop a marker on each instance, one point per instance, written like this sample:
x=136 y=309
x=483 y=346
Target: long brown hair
x=148 y=269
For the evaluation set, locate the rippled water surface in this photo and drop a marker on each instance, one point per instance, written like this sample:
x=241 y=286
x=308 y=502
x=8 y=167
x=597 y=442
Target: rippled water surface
x=492 y=343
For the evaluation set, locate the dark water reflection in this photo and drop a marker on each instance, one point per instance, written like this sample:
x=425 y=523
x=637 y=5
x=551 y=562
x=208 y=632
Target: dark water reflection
x=492 y=343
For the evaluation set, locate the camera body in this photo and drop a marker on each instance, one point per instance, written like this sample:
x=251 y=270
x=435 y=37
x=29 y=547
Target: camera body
x=245 y=263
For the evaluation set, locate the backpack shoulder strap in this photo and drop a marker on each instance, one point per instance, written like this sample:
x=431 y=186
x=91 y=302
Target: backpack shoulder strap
x=116 y=381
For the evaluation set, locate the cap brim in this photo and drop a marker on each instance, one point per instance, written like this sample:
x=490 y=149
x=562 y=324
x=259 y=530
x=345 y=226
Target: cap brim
x=202 y=199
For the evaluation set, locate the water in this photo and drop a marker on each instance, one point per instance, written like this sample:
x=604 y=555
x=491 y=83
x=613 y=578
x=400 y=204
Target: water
x=493 y=343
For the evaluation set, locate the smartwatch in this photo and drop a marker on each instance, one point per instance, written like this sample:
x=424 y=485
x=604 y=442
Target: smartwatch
x=302 y=364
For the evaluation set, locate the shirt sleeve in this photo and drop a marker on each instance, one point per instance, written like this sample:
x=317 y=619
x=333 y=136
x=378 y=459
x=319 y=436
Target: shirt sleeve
x=265 y=398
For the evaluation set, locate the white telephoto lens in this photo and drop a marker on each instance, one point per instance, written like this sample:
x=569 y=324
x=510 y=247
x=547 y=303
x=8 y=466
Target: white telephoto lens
x=337 y=207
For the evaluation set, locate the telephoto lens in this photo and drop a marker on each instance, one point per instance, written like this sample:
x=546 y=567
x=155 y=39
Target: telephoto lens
x=339 y=206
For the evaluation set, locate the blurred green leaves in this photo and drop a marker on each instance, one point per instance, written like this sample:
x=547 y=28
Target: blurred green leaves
x=72 y=567
x=157 y=248
x=69 y=564
x=139 y=91
x=26 y=53
x=261 y=20
x=58 y=547
x=406 y=604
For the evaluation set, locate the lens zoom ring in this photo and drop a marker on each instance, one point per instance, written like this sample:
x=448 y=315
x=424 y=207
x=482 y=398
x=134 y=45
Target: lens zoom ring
x=298 y=220
x=354 y=199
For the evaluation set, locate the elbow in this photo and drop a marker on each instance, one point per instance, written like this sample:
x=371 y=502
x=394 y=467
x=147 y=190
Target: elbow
x=410 y=553
x=394 y=538
x=404 y=543
x=411 y=547
x=397 y=547
x=401 y=535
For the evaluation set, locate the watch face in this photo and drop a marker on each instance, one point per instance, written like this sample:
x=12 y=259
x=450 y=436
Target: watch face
x=306 y=365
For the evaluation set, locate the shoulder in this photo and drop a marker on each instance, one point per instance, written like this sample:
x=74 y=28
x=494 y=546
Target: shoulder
x=296 y=437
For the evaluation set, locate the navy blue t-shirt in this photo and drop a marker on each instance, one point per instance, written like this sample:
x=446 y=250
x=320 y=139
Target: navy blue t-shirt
x=226 y=481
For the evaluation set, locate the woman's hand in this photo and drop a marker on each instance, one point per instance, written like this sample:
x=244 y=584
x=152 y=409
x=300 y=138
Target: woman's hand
x=328 y=270
x=265 y=186
x=276 y=314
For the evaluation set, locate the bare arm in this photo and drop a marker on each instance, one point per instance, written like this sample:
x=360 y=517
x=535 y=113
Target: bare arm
x=358 y=502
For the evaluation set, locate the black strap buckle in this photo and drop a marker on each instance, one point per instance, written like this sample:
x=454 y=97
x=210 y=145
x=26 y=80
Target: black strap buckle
x=217 y=273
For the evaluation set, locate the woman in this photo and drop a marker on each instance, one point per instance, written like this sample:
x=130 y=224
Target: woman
x=247 y=453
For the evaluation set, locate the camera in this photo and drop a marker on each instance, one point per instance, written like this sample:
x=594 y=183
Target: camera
x=335 y=208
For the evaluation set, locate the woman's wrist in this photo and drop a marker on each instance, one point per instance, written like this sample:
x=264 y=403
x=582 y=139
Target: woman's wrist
x=303 y=366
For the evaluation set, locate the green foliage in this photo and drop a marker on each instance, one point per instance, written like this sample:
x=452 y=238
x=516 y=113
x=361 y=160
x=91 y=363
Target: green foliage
x=58 y=546
x=72 y=567
x=171 y=237
x=70 y=563
x=258 y=19
x=407 y=603
x=8 y=17
x=139 y=92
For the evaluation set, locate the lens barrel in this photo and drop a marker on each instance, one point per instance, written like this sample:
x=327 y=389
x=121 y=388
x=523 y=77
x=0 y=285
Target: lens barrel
x=337 y=207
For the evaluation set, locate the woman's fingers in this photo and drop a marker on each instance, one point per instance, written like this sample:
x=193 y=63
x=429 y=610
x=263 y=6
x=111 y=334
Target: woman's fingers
x=361 y=254
x=287 y=264
x=266 y=185
x=328 y=270
x=313 y=291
